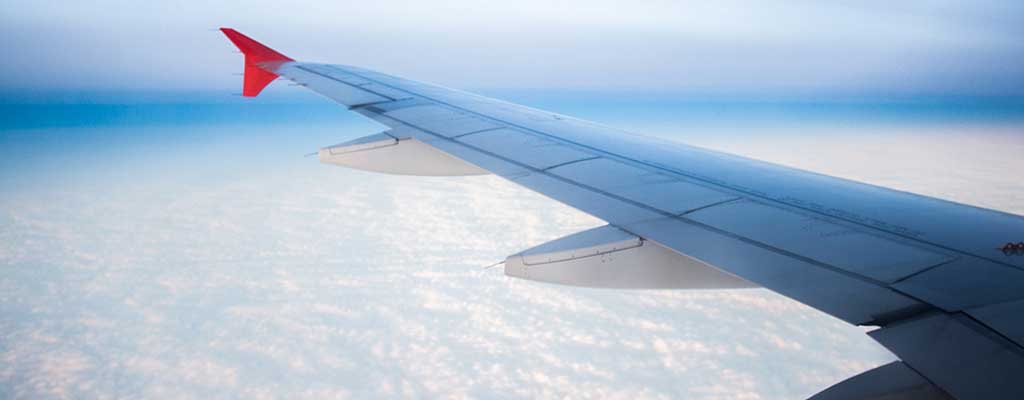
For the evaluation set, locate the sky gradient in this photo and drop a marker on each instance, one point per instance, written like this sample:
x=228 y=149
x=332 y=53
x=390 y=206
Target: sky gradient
x=769 y=48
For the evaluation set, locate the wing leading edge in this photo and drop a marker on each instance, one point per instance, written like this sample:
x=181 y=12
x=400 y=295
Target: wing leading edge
x=948 y=300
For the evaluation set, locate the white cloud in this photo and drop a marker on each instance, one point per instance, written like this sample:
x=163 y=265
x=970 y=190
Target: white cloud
x=310 y=281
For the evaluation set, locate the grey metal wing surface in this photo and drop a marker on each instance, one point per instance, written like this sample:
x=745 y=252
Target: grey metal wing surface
x=935 y=277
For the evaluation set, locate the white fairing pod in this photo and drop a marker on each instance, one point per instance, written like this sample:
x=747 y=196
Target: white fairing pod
x=388 y=154
x=608 y=257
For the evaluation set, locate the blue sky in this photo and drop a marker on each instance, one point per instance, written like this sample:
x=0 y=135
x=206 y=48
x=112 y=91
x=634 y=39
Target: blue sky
x=772 y=48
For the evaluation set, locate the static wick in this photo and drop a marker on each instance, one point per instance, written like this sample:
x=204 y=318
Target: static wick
x=1013 y=248
x=494 y=265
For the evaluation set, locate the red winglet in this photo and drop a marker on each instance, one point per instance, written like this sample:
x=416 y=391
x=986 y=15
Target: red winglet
x=255 y=77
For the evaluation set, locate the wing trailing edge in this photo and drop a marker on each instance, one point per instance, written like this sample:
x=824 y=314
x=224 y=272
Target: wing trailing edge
x=893 y=381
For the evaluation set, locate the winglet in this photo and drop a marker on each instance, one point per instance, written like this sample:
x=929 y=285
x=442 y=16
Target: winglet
x=256 y=77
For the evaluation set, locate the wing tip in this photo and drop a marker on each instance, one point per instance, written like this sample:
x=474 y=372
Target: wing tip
x=251 y=48
x=255 y=77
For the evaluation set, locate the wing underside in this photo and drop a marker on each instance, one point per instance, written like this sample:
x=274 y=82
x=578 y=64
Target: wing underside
x=929 y=273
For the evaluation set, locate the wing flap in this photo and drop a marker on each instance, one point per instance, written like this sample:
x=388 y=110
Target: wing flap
x=961 y=356
x=614 y=211
x=1004 y=318
x=965 y=283
x=490 y=162
x=666 y=193
x=531 y=150
x=846 y=296
x=892 y=381
x=813 y=237
x=441 y=120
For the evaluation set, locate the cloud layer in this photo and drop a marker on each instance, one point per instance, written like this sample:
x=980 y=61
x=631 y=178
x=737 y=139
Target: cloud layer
x=192 y=261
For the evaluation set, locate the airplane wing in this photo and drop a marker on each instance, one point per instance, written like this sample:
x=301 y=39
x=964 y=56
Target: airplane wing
x=942 y=282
